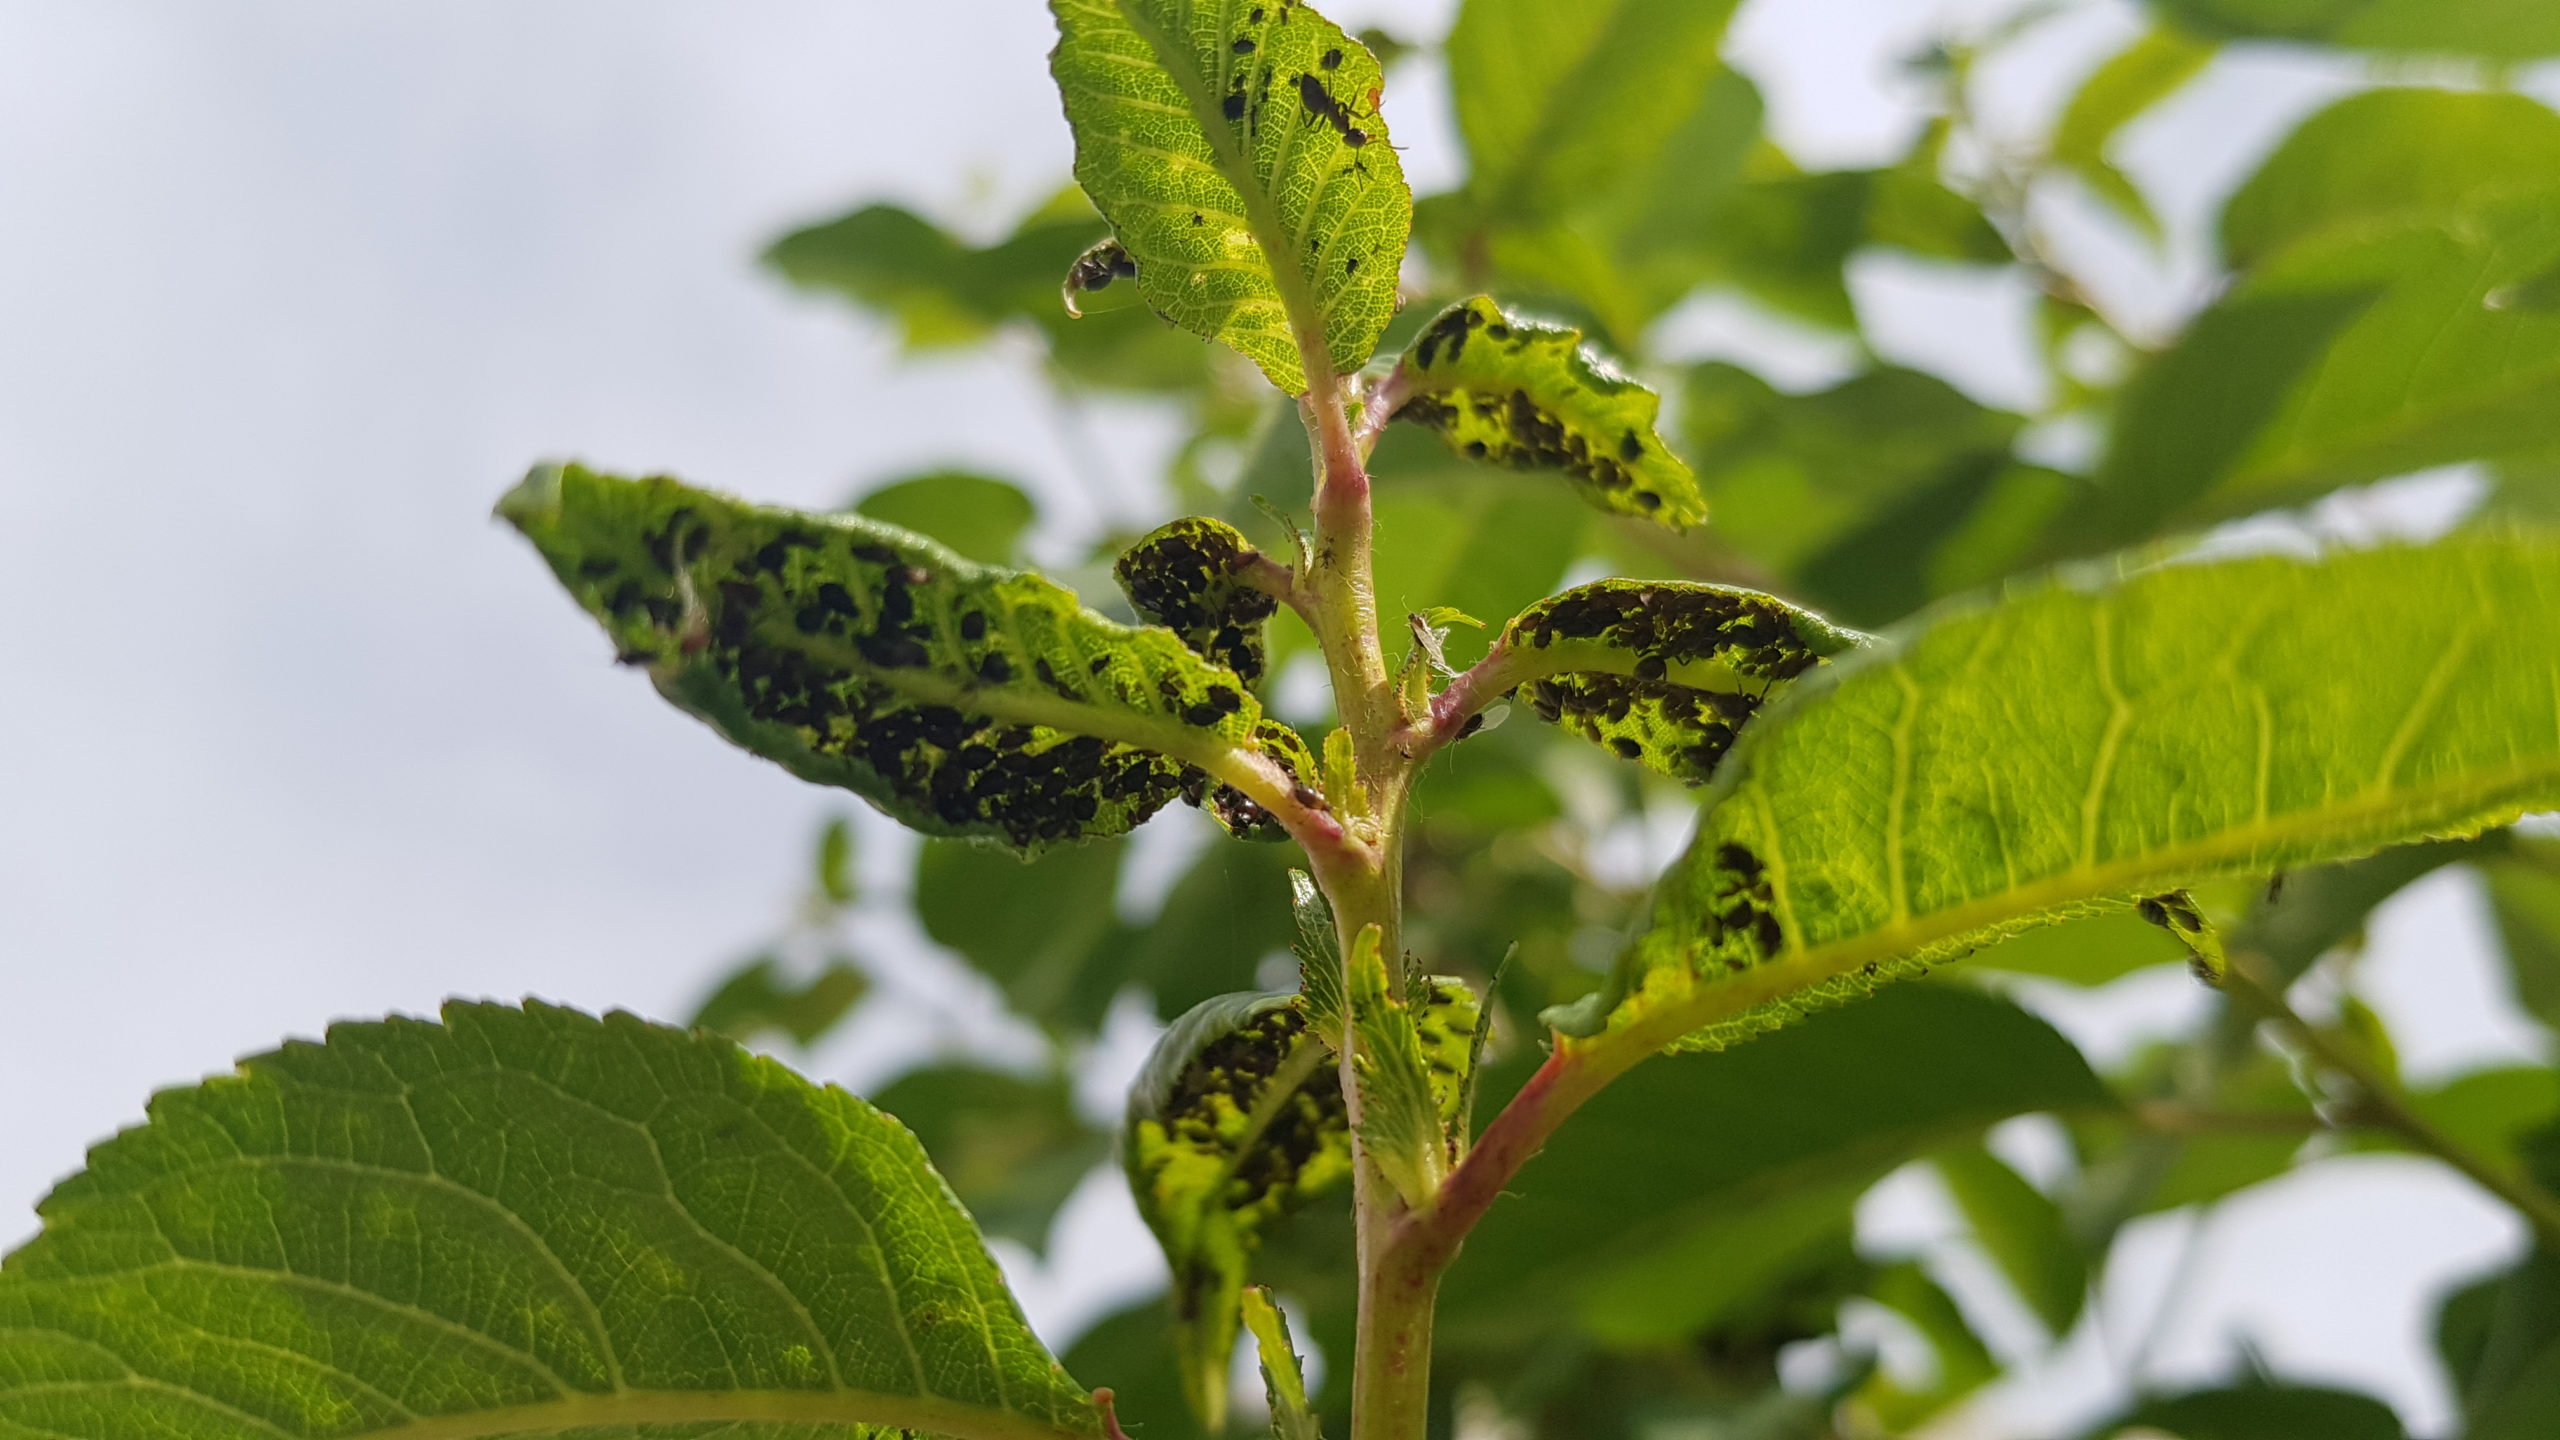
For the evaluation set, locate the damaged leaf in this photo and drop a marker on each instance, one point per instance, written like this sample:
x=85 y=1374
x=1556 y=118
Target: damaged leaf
x=1530 y=396
x=960 y=699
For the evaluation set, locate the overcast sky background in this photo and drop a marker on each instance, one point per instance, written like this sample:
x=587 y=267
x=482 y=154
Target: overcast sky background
x=290 y=290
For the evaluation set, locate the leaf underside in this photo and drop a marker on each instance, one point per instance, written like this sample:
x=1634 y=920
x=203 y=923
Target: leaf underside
x=517 y=1221
x=961 y=699
x=1662 y=672
x=1237 y=1120
x=1237 y=150
x=2081 y=747
x=1529 y=396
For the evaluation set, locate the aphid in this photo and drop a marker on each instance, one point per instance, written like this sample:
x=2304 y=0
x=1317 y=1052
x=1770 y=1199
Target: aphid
x=1332 y=60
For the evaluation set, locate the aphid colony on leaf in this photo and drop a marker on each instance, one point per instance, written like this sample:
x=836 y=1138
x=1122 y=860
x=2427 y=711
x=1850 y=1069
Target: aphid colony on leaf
x=853 y=654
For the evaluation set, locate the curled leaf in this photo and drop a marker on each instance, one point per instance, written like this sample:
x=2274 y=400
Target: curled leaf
x=1237 y=1120
x=1661 y=672
x=1530 y=396
x=961 y=699
x=1191 y=577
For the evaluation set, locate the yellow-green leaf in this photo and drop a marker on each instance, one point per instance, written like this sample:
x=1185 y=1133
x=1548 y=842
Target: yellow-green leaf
x=516 y=1222
x=2080 y=746
x=1237 y=150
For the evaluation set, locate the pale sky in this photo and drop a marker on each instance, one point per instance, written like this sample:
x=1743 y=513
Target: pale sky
x=290 y=290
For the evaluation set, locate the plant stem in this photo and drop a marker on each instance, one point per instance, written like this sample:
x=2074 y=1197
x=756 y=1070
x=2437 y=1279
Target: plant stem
x=2380 y=1103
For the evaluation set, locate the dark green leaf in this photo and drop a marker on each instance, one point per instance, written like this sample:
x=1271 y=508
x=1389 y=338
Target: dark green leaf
x=2023 y=1233
x=1556 y=101
x=1043 y=930
x=835 y=862
x=977 y=518
x=2524 y=896
x=1239 y=154
x=1236 y=1120
x=1964 y=1363
x=2259 y=1412
x=1529 y=396
x=960 y=699
x=1677 y=1190
x=2078 y=746
x=1146 y=1375
x=1658 y=671
x=759 y=997
x=2094 y=950
x=940 y=290
x=2355 y=355
x=2490 y=29
x=518 y=1221
x=2393 y=156
x=1227 y=914
x=2501 y=1341
x=1013 y=1148
x=1798 y=479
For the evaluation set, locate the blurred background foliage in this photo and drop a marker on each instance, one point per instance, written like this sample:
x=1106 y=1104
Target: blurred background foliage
x=2386 y=301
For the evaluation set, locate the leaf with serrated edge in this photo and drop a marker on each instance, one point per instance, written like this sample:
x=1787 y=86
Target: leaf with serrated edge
x=515 y=1222
x=1236 y=1120
x=1400 y=1126
x=960 y=699
x=1661 y=672
x=1528 y=395
x=2081 y=746
x=1238 y=152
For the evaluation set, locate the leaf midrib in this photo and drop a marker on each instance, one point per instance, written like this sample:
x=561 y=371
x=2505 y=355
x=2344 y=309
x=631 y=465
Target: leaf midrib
x=1727 y=997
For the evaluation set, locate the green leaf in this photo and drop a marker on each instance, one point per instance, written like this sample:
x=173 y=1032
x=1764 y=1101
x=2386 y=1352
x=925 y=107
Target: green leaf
x=517 y=1221
x=1147 y=1384
x=758 y=997
x=941 y=291
x=1686 y=1182
x=978 y=518
x=1044 y=930
x=1964 y=1363
x=961 y=700
x=1529 y=396
x=835 y=861
x=1282 y=1384
x=2258 y=1412
x=2093 y=950
x=1238 y=152
x=1400 y=1126
x=2079 y=746
x=1012 y=1147
x=1555 y=101
x=1195 y=577
x=2525 y=900
x=1227 y=914
x=1862 y=494
x=2393 y=155
x=1660 y=672
x=2356 y=355
x=1319 y=952
x=2120 y=91
x=2488 y=29
x=2493 y=1111
x=2023 y=1233
x=2501 y=1341
x=1236 y=1120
